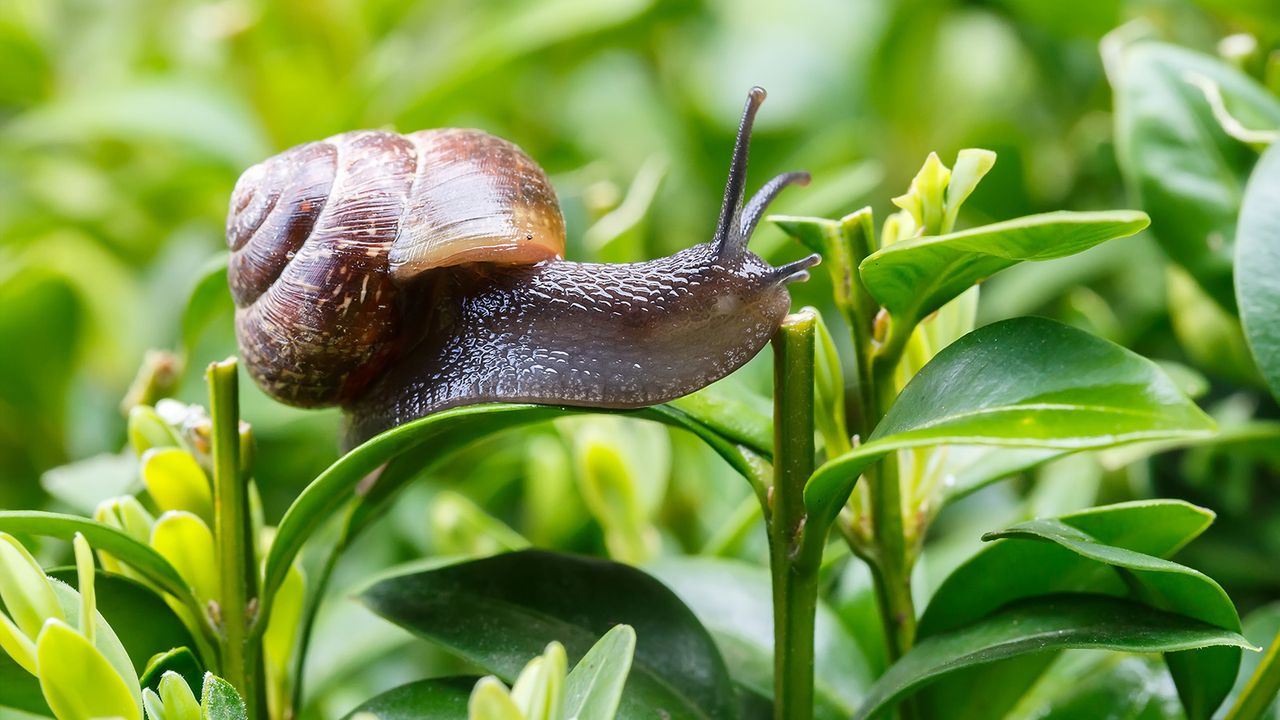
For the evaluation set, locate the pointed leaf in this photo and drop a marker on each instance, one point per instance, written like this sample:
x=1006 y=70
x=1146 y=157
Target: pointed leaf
x=1026 y=382
x=594 y=686
x=1040 y=624
x=187 y=543
x=914 y=277
x=77 y=680
x=176 y=482
x=220 y=701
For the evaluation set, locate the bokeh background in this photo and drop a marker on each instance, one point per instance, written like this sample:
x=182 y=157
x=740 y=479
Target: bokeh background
x=125 y=123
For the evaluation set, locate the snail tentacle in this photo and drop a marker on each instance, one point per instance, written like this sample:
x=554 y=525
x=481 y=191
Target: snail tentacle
x=759 y=202
x=729 y=243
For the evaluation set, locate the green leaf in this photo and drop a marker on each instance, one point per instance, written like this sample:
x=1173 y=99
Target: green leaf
x=179 y=660
x=426 y=441
x=1080 y=682
x=438 y=699
x=733 y=600
x=1262 y=628
x=103 y=538
x=220 y=701
x=175 y=481
x=915 y=277
x=1042 y=624
x=78 y=681
x=1203 y=678
x=85 y=483
x=1003 y=572
x=1257 y=266
x=187 y=543
x=594 y=686
x=1025 y=382
x=1188 y=173
x=20 y=690
x=490 y=700
x=500 y=611
x=144 y=623
x=208 y=298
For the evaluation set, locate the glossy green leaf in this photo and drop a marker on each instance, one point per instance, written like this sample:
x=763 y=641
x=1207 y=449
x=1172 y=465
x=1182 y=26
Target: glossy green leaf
x=425 y=441
x=1007 y=571
x=1042 y=624
x=220 y=701
x=733 y=600
x=915 y=277
x=438 y=699
x=500 y=611
x=1081 y=682
x=1115 y=550
x=1188 y=173
x=103 y=538
x=175 y=481
x=187 y=543
x=593 y=688
x=78 y=681
x=1257 y=266
x=1026 y=382
x=1262 y=628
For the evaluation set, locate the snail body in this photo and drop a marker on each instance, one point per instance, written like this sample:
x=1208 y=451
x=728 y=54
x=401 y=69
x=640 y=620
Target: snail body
x=400 y=275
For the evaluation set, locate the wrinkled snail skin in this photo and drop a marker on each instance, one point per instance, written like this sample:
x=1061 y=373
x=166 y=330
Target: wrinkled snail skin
x=401 y=275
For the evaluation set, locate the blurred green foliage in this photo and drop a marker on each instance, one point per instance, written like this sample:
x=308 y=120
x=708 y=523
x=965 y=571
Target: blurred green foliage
x=125 y=123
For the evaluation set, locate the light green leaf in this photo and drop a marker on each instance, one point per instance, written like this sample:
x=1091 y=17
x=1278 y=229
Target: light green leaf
x=77 y=680
x=1026 y=382
x=1040 y=624
x=27 y=595
x=1257 y=266
x=491 y=701
x=593 y=688
x=220 y=701
x=914 y=277
x=187 y=543
x=176 y=482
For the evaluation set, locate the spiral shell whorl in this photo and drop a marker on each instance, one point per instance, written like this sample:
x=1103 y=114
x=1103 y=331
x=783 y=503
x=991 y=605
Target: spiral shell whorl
x=325 y=236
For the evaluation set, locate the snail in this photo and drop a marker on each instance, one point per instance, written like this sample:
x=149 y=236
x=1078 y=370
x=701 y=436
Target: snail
x=400 y=275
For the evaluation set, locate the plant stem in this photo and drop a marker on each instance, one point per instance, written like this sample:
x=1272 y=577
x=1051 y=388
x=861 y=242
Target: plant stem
x=233 y=533
x=793 y=562
x=1260 y=691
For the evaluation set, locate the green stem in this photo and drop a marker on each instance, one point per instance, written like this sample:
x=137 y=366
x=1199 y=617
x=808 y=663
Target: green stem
x=793 y=562
x=1260 y=691
x=892 y=570
x=233 y=533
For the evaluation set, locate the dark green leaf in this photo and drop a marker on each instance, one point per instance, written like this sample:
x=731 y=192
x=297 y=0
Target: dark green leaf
x=1257 y=266
x=1026 y=382
x=1007 y=571
x=915 y=277
x=1042 y=624
x=499 y=612
x=180 y=660
x=1262 y=628
x=437 y=699
x=19 y=689
x=1188 y=173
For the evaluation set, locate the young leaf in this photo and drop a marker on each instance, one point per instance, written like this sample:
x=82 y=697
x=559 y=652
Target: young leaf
x=491 y=701
x=1187 y=171
x=1257 y=266
x=593 y=688
x=187 y=543
x=77 y=680
x=531 y=598
x=179 y=660
x=220 y=701
x=914 y=277
x=176 y=482
x=1039 y=624
x=1026 y=382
